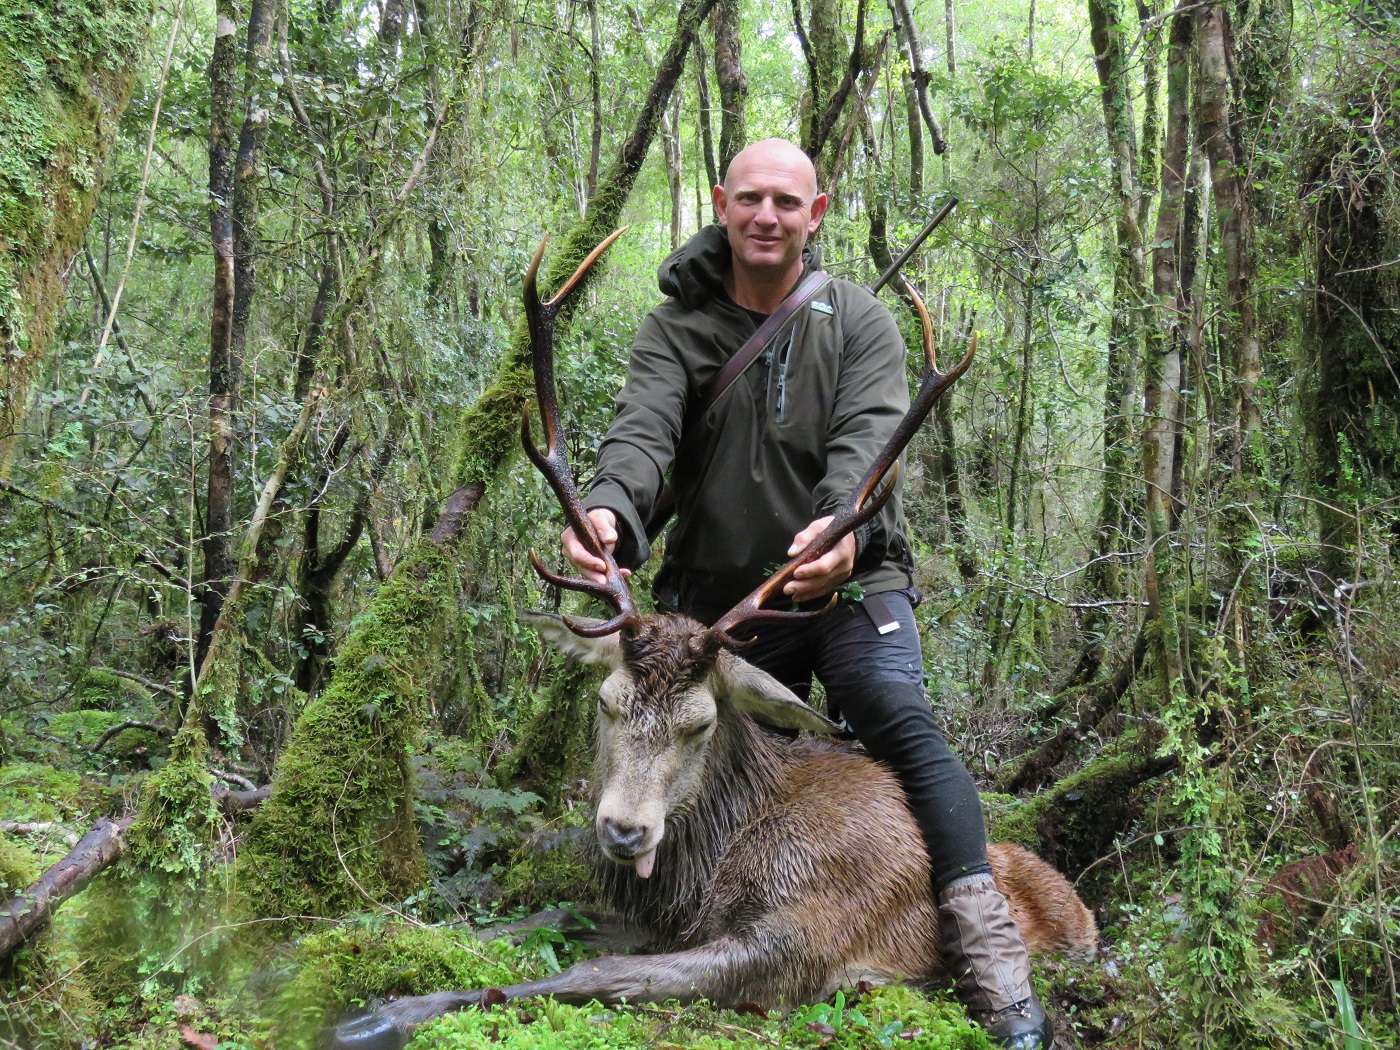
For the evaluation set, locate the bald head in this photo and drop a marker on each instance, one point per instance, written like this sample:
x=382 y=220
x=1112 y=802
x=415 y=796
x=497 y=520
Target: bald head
x=775 y=155
x=770 y=205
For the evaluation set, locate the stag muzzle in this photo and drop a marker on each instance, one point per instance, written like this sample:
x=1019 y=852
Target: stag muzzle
x=630 y=841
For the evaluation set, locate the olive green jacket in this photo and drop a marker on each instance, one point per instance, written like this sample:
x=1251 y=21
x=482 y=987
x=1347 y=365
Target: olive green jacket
x=786 y=443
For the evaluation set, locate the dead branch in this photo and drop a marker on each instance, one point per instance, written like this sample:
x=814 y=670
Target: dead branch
x=29 y=912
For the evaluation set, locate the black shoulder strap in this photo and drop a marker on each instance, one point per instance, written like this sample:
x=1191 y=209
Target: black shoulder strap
x=809 y=286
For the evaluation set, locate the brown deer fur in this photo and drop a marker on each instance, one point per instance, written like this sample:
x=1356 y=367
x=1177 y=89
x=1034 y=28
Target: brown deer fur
x=785 y=868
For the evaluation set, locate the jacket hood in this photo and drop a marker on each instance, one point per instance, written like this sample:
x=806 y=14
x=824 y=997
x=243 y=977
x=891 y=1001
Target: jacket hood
x=694 y=272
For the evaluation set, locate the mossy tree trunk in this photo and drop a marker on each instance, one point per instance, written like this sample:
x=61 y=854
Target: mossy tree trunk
x=1352 y=335
x=338 y=832
x=223 y=380
x=66 y=76
x=1243 y=361
x=1167 y=343
x=1104 y=578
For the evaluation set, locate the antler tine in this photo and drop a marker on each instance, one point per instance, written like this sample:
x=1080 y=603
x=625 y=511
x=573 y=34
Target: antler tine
x=862 y=505
x=585 y=266
x=930 y=354
x=553 y=462
x=870 y=495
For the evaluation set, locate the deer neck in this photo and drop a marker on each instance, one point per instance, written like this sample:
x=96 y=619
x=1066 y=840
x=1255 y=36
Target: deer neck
x=742 y=767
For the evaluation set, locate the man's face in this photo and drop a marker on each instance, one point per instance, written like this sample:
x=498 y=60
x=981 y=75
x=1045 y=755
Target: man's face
x=770 y=206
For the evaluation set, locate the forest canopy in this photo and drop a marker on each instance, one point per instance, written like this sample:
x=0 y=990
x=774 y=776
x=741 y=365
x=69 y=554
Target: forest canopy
x=265 y=525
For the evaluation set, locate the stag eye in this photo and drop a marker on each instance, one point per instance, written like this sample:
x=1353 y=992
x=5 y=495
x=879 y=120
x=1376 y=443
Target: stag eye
x=606 y=710
x=695 y=732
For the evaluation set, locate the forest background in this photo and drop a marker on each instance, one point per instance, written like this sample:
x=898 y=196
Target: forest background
x=263 y=521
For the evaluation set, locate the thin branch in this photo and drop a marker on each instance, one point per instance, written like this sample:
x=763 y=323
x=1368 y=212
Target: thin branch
x=140 y=203
x=121 y=727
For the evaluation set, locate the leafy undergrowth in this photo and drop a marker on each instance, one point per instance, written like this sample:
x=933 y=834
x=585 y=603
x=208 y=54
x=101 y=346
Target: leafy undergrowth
x=357 y=965
x=885 y=1017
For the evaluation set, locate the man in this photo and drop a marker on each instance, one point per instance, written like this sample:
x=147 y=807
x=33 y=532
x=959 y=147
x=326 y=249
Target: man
x=757 y=478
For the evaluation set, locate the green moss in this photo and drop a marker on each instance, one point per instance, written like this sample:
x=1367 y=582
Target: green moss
x=177 y=820
x=489 y=431
x=19 y=867
x=554 y=745
x=893 y=1016
x=541 y=879
x=338 y=832
x=42 y=1002
x=32 y=791
x=359 y=964
x=1071 y=823
x=66 y=73
x=101 y=690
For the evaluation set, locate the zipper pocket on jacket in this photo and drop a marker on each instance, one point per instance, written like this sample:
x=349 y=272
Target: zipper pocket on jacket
x=781 y=412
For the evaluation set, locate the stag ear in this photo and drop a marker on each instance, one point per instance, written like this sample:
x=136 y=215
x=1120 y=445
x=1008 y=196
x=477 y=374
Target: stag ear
x=556 y=634
x=763 y=698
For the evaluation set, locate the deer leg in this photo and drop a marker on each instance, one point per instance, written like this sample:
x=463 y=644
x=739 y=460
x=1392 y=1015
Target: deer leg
x=712 y=971
x=599 y=930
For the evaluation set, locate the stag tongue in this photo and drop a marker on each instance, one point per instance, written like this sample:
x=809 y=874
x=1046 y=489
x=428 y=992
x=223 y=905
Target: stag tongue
x=645 y=862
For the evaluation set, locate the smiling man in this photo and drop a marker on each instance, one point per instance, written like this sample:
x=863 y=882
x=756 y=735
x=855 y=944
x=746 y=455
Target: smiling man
x=756 y=473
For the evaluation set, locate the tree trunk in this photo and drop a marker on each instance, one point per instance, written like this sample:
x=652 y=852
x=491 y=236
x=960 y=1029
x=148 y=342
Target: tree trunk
x=733 y=85
x=1167 y=341
x=244 y=215
x=951 y=33
x=707 y=132
x=914 y=54
x=1245 y=450
x=915 y=123
x=49 y=217
x=595 y=87
x=671 y=152
x=1104 y=578
x=218 y=509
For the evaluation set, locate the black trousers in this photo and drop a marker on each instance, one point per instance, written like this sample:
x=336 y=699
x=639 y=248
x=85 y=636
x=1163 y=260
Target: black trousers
x=876 y=683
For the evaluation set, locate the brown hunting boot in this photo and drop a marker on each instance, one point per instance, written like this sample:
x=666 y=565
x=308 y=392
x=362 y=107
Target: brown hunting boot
x=986 y=957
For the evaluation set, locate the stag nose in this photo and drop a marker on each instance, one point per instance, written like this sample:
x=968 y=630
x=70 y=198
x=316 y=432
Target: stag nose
x=620 y=837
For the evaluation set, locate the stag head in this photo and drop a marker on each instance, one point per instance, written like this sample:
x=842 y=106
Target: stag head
x=659 y=710
x=674 y=683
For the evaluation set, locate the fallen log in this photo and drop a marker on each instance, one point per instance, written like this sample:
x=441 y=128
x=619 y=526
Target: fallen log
x=29 y=912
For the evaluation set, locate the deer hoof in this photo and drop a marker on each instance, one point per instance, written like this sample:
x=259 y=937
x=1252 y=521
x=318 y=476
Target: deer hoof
x=371 y=1032
x=391 y=1026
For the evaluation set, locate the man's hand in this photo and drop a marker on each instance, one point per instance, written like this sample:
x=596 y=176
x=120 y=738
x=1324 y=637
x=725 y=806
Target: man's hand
x=595 y=569
x=820 y=577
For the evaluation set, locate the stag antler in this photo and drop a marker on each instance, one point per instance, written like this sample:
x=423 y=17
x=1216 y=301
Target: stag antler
x=553 y=463
x=874 y=490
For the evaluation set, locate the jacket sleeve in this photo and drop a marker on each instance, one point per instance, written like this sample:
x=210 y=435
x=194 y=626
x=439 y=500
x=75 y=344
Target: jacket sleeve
x=872 y=396
x=641 y=442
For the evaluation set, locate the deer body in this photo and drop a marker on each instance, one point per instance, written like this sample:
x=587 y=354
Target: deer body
x=799 y=853
x=782 y=869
